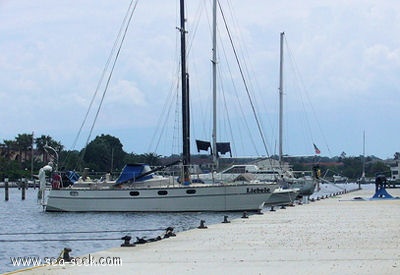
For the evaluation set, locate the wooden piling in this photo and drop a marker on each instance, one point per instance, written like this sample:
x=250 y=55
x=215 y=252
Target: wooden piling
x=6 y=189
x=23 y=187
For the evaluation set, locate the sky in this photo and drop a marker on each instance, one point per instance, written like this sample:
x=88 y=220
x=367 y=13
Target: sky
x=341 y=74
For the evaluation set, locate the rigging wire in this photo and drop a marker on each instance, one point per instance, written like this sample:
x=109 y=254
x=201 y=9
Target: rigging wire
x=247 y=64
x=161 y=127
x=173 y=96
x=239 y=102
x=192 y=36
x=171 y=100
x=244 y=82
x=117 y=45
x=205 y=112
x=302 y=87
x=109 y=77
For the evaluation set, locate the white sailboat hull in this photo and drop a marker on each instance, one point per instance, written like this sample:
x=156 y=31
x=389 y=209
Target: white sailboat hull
x=229 y=197
x=282 y=197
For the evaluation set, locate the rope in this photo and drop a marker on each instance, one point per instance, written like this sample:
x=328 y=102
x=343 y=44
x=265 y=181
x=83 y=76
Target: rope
x=170 y=229
x=79 y=232
x=60 y=240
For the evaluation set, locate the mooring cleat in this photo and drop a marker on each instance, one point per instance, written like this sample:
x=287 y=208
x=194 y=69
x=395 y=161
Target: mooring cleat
x=226 y=220
x=202 y=226
x=126 y=242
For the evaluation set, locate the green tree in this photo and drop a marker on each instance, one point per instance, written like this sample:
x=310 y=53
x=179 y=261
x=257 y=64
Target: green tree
x=9 y=146
x=44 y=140
x=377 y=167
x=11 y=169
x=24 y=144
x=104 y=154
x=69 y=160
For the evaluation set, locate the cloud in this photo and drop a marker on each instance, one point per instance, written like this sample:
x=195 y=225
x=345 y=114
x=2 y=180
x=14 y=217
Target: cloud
x=346 y=54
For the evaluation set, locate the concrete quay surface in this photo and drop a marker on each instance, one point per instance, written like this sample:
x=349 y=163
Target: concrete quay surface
x=335 y=235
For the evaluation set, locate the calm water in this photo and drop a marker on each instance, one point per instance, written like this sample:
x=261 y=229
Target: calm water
x=17 y=216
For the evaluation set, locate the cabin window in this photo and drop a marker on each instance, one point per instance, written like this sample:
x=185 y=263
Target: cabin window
x=134 y=193
x=74 y=193
x=236 y=170
x=191 y=191
x=162 y=192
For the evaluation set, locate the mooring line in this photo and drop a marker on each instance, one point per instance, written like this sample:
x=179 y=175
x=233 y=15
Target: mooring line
x=60 y=240
x=79 y=232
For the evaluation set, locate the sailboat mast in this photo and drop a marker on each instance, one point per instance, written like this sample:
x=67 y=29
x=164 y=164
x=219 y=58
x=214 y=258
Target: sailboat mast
x=214 y=85
x=185 y=99
x=281 y=99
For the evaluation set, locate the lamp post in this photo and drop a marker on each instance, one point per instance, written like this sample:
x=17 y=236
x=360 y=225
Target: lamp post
x=47 y=147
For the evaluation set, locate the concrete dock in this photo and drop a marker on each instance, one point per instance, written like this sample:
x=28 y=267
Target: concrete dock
x=335 y=235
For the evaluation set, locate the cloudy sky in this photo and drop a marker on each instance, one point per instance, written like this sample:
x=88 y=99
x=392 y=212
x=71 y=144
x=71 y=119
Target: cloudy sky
x=341 y=76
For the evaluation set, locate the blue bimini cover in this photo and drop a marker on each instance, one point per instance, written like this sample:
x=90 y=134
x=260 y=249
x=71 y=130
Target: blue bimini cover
x=72 y=176
x=131 y=172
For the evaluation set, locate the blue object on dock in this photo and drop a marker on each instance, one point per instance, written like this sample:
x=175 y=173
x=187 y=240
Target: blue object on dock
x=382 y=194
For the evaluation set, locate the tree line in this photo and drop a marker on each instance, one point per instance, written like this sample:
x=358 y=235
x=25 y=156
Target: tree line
x=25 y=155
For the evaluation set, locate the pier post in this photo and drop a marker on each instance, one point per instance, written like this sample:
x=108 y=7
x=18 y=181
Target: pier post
x=23 y=187
x=6 y=188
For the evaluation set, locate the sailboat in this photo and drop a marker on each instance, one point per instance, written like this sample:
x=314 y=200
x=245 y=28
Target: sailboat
x=290 y=185
x=183 y=196
x=306 y=185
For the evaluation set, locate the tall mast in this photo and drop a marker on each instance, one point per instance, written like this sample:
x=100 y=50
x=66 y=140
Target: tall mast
x=281 y=99
x=214 y=85
x=185 y=99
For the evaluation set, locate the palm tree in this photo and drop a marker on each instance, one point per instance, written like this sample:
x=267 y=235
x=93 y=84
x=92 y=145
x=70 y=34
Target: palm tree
x=24 y=144
x=10 y=145
x=47 y=140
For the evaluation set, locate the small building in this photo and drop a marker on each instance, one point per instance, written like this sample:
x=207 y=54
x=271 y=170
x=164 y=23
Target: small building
x=394 y=170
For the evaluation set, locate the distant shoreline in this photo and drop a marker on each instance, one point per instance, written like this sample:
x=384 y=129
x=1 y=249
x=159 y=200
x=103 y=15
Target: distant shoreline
x=15 y=185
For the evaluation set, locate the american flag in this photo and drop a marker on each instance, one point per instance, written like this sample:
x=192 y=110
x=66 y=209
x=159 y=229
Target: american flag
x=317 y=151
